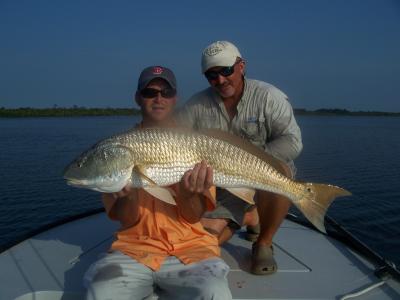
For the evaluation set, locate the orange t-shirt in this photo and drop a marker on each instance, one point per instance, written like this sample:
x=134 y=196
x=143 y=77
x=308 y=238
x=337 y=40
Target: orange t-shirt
x=161 y=231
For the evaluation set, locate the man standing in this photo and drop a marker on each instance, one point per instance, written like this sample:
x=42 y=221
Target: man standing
x=256 y=111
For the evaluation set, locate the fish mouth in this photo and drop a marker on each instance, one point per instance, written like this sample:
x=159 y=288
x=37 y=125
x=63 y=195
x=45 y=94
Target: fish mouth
x=98 y=184
x=76 y=182
x=85 y=184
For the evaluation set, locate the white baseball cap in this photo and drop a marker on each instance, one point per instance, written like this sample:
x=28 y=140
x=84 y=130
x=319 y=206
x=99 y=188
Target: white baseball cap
x=219 y=54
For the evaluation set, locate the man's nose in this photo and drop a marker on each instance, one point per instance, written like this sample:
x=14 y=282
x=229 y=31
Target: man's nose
x=158 y=98
x=220 y=79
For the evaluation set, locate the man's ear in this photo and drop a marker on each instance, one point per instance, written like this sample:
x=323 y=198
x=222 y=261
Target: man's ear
x=138 y=99
x=242 y=66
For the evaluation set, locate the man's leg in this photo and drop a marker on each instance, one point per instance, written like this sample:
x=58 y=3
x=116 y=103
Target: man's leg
x=272 y=209
x=204 y=280
x=226 y=234
x=251 y=216
x=118 y=276
x=218 y=227
x=250 y=219
x=225 y=219
x=229 y=215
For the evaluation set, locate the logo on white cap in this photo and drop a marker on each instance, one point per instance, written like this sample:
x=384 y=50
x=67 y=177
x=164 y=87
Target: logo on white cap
x=213 y=50
x=219 y=54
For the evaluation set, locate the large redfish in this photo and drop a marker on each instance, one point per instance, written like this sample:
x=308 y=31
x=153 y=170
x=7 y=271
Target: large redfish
x=155 y=158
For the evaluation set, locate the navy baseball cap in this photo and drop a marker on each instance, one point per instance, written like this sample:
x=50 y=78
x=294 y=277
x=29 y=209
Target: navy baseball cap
x=153 y=72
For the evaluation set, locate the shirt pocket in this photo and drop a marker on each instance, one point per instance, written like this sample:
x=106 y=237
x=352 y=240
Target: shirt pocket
x=255 y=131
x=207 y=121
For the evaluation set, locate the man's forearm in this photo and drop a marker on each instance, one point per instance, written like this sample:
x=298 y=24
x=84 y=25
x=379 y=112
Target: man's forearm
x=285 y=148
x=124 y=209
x=192 y=207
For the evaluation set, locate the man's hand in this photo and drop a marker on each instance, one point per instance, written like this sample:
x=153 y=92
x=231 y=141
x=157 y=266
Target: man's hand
x=194 y=183
x=122 y=193
x=122 y=206
x=197 y=180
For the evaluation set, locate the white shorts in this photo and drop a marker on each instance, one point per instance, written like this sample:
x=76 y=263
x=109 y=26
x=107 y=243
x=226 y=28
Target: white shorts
x=118 y=276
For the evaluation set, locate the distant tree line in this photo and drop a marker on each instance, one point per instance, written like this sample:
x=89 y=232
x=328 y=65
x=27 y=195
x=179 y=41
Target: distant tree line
x=77 y=111
x=74 y=111
x=343 y=112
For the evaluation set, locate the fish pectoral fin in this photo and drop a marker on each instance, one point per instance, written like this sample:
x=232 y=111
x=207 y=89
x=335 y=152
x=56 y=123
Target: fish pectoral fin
x=141 y=171
x=162 y=193
x=245 y=194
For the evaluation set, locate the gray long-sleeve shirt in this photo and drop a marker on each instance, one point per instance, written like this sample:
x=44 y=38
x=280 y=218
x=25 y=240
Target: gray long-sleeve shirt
x=264 y=117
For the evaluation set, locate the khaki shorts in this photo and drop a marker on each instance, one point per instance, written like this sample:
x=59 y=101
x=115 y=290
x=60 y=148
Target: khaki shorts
x=229 y=207
x=233 y=208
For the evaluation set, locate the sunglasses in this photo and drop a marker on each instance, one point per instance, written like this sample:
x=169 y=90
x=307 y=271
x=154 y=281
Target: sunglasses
x=152 y=93
x=225 y=71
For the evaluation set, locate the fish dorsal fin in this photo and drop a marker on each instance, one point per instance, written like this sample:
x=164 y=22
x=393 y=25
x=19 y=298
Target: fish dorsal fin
x=162 y=193
x=246 y=146
x=245 y=194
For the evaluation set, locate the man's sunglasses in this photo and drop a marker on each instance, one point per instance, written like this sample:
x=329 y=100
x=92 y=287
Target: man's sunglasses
x=152 y=93
x=225 y=71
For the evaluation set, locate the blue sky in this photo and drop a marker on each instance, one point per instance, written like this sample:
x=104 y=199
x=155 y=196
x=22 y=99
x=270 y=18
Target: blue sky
x=322 y=54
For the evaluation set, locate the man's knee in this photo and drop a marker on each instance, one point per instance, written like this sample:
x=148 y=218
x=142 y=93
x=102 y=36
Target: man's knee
x=264 y=198
x=216 y=288
x=251 y=217
x=214 y=226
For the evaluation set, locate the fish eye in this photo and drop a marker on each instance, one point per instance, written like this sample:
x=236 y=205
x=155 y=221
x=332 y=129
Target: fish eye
x=309 y=189
x=79 y=164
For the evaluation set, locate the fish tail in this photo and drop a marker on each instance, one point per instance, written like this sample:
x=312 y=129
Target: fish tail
x=317 y=200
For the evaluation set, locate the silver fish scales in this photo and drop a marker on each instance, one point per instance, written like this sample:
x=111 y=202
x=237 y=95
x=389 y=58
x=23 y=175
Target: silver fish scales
x=158 y=157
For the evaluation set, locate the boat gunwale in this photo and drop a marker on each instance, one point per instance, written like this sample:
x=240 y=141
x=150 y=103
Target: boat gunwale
x=41 y=229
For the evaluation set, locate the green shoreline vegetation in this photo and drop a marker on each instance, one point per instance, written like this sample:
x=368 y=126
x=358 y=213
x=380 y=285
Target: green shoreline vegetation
x=344 y=112
x=76 y=111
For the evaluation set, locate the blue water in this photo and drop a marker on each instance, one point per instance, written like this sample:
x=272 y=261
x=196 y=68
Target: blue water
x=357 y=153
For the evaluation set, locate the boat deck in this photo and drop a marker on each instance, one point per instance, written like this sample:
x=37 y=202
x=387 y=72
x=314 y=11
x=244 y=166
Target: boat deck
x=311 y=265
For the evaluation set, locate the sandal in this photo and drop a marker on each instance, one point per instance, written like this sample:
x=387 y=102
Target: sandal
x=262 y=260
x=252 y=232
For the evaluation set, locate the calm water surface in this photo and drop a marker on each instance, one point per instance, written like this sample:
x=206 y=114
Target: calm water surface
x=357 y=153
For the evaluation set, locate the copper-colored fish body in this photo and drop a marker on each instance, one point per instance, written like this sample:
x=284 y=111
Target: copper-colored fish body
x=147 y=158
